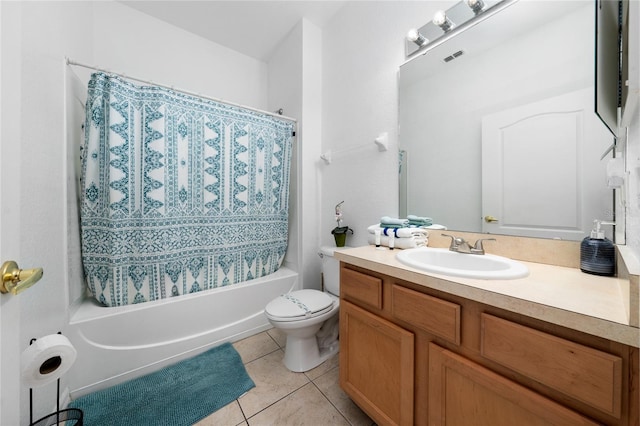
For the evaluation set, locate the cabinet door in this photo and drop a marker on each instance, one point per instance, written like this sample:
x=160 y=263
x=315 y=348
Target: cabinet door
x=462 y=392
x=376 y=365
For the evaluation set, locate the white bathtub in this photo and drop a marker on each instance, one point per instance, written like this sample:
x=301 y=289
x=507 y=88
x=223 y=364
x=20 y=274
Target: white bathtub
x=116 y=344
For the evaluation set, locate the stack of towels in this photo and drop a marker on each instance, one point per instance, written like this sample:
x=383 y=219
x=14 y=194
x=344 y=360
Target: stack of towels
x=405 y=233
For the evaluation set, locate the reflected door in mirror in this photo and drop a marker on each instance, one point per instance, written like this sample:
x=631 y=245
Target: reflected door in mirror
x=541 y=173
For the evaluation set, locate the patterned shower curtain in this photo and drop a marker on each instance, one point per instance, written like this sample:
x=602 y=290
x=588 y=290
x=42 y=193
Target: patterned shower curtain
x=178 y=194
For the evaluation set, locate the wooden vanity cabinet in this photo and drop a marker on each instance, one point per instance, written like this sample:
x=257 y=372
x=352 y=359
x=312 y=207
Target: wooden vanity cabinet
x=414 y=355
x=377 y=359
x=377 y=366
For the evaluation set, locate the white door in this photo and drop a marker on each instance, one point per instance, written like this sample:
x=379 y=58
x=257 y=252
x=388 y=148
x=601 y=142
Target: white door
x=10 y=389
x=545 y=151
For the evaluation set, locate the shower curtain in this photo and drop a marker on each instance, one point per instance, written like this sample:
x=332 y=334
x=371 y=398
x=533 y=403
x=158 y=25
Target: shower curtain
x=178 y=194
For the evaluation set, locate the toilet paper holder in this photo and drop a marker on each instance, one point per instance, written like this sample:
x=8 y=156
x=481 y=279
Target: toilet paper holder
x=16 y=280
x=67 y=416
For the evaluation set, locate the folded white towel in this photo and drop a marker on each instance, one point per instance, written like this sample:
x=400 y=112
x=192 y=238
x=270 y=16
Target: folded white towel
x=435 y=226
x=398 y=232
x=401 y=243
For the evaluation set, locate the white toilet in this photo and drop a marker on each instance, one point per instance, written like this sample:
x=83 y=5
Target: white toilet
x=309 y=318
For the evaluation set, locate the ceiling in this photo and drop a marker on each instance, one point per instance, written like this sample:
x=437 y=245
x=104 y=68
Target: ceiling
x=254 y=28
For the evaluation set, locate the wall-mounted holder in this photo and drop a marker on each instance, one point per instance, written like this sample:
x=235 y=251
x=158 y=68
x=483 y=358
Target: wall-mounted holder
x=382 y=142
x=327 y=157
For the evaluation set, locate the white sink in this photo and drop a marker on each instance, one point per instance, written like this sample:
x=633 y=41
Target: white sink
x=445 y=262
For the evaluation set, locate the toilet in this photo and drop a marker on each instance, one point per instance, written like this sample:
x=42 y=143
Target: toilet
x=309 y=318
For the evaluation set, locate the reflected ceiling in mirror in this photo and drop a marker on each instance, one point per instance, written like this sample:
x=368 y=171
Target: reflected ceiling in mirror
x=506 y=129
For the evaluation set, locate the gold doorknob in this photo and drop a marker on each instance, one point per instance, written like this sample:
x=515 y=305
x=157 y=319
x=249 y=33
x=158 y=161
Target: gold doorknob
x=490 y=219
x=16 y=280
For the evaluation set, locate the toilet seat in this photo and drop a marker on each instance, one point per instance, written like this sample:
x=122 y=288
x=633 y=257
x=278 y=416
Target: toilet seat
x=299 y=305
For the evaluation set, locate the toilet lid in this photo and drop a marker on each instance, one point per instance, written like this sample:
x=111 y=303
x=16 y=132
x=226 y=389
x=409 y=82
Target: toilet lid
x=299 y=305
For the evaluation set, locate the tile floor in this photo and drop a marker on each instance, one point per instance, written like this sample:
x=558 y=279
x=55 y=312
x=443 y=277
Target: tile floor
x=282 y=397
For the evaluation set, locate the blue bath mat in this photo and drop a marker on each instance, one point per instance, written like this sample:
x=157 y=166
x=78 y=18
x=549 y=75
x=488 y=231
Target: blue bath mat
x=180 y=394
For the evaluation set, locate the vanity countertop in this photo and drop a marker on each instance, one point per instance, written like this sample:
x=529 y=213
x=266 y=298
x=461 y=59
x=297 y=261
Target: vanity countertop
x=560 y=295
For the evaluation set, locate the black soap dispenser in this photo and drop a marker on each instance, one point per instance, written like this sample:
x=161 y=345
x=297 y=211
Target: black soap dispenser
x=597 y=253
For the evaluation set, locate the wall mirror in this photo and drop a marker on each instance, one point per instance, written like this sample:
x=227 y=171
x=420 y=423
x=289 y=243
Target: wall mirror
x=504 y=139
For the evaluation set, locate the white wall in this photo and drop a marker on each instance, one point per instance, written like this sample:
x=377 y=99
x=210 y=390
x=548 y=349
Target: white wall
x=362 y=50
x=348 y=96
x=295 y=85
x=130 y=41
x=285 y=86
x=363 y=46
x=100 y=33
x=311 y=133
x=633 y=191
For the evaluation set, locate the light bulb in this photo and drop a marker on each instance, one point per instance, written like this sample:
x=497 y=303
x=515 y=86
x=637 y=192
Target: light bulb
x=415 y=36
x=476 y=5
x=440 y=19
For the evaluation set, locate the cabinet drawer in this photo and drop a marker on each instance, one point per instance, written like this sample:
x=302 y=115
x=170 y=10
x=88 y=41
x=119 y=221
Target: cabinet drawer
x=433 y=315
x=361 y=287
x=586 y=374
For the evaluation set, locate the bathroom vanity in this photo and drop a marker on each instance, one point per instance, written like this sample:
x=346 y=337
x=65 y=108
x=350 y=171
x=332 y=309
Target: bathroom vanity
x=557 y=347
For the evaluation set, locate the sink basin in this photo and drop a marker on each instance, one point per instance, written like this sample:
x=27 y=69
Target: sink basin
x=445 y=262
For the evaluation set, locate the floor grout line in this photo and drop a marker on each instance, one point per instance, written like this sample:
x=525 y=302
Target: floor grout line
x=242 y=411
x=331 y=403
x=275 y=402
x=247 y=420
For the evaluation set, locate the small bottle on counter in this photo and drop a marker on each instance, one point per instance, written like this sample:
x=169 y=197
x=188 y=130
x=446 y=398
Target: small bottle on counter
x=597 y=253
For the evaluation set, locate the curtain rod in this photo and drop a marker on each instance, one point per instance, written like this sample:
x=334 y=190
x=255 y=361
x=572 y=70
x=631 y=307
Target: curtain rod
x=187 y=92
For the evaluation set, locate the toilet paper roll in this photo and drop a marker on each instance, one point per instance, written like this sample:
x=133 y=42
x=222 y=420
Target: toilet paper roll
x=46 y=360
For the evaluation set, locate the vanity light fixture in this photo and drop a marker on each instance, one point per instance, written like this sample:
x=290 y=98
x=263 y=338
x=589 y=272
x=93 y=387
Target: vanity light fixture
x=445 y=24
x=477 y=6
x=442 y=20
x=415 y=36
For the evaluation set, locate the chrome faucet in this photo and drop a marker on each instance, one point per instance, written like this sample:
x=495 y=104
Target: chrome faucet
x=459 y=245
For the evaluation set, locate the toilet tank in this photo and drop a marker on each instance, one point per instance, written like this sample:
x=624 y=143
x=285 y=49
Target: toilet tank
x=331 y=269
